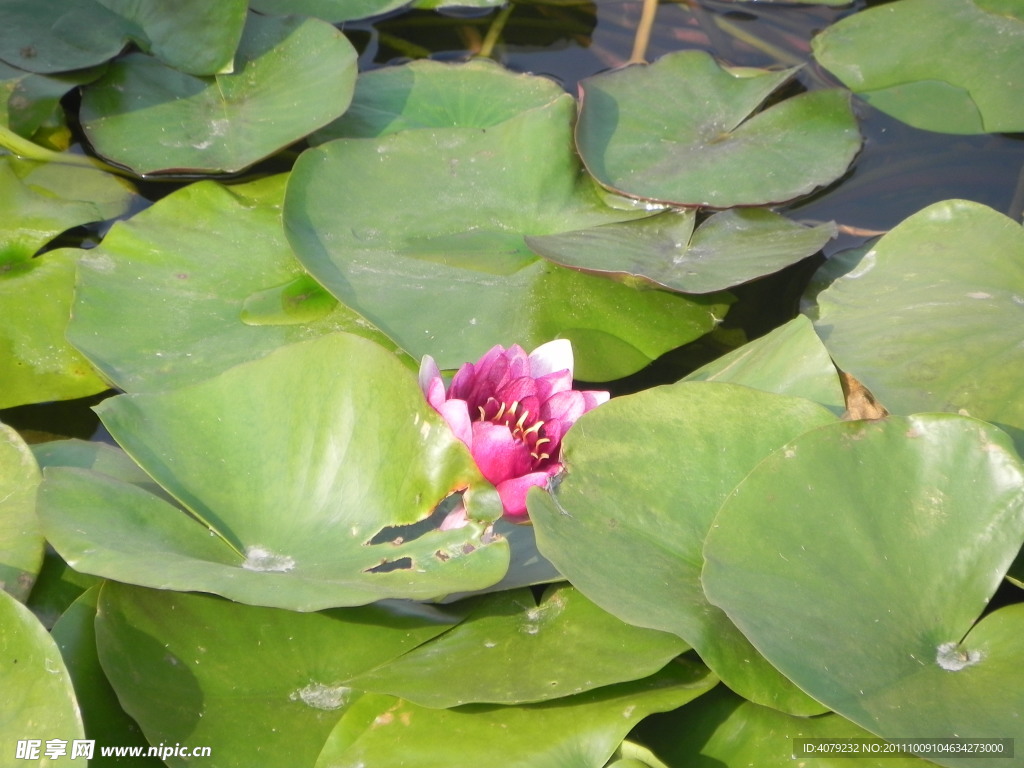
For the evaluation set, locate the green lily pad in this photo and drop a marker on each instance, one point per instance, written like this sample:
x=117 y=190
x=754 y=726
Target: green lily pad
x=682 y=131
x=940 y=65
x=193 y=36
x=21 y=543
x=580 y=731
x=432 y=94
x=429 y=245
x=559 y=645
x=304 y=473
x=721 y=729
x=153 y=310
x=36 y=362
x=292 y=75
x=687 y=446
x=38 y=201
x=926 y=328
x=729 y=248
x=105 y=721
x=259 y=686
x=858 y=559
x=334 y=11
x=39 y=702
x=50 y=36
x=30 y=104
x=790 y=360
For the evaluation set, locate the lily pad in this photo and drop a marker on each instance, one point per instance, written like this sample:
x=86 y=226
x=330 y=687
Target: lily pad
x=294 y=501
x=154 y=310
x=559 y=645
x=683 y=131
x=721 y=729
x=193 y=36
x=334 y=11
x=431 y=94
x=686 y=446
x=21 y=543
x=791 y=360
x=729 y=248
x=50 y=36
x=429 y=245
x=930 y=318
x=580 y=731
x=940 y=65
x=30 y=104
x=880 y=543
x=258 y=686
x=39 y=702
x=106 y=723
x=38 y=201
x=292 y=75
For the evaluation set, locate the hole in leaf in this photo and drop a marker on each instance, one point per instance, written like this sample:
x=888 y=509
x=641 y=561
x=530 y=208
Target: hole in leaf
x=401 y=534
x=386 y=566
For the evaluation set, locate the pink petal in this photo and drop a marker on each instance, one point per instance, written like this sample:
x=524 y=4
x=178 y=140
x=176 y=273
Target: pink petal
x=456 y=414
x=554 y=356
x=457 y=518
x=513 y=492
x=498 y=455
x=431 y=382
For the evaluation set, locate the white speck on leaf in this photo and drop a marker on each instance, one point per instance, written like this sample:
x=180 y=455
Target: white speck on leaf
x=320 y=696
x=951 y=658
x=260 y=559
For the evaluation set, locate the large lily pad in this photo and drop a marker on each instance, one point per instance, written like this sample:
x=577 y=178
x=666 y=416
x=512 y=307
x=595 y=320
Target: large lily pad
x=106 y=723
x=51 y=36
x=193 y=36
x=333 y=11
x=21 y=543
x=930 y=319
x=433 y=94
x=729 y=248
x=154 y=309
x=561 y=645
x=61 y=35
x=681 y=449
x=292 y=75
x=791 y=360
x=580 y=731
x=39 y=702
x=305 y=472
x=429 y=245
x=858 y=559
x=30 y=104
x=259 y=686
x=721 y=729
x=38 y=201
x=941 y=65
x=683 y=131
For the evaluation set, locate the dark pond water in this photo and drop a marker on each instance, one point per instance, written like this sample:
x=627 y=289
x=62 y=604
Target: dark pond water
x=899 y=170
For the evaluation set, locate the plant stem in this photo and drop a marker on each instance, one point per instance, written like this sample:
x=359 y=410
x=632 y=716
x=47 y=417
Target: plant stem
x=22 y=147
x=643 y=32
x=495 y=30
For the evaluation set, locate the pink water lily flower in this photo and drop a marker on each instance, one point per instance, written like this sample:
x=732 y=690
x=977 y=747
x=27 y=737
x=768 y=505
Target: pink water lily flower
x=512 y=410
